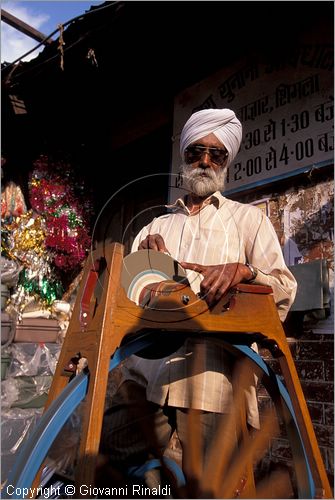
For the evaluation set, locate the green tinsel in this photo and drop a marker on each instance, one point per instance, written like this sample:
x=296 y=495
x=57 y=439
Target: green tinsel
x=48 y=290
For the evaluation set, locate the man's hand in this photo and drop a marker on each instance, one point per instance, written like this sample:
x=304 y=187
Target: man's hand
x=218 y=279
x=153 y=242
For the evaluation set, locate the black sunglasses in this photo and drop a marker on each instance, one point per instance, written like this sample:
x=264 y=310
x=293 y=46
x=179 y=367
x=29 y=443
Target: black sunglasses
x=195 y=152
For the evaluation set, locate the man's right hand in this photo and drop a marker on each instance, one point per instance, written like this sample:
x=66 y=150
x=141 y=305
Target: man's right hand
x=153 y=242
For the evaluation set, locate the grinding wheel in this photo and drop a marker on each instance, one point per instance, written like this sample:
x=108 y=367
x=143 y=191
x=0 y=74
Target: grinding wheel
x=144 y=267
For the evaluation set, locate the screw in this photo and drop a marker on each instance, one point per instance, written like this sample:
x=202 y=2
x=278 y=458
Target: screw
x=185 y=299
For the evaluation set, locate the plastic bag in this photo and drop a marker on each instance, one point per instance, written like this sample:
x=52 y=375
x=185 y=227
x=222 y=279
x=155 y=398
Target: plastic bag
x=29 y=359
x=10 y=271
x=16 y=426
x=25 y=392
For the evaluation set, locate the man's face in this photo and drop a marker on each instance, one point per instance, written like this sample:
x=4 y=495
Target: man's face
x=204 y=165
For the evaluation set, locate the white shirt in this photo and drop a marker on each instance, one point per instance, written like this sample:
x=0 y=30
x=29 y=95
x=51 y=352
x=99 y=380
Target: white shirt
x=224 y=231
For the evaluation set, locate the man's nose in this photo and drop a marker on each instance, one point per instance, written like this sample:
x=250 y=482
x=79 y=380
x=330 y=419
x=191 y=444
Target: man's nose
x=205 y=160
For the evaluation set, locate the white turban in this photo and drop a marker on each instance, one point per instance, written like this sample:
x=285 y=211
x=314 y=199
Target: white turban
x=220 y=122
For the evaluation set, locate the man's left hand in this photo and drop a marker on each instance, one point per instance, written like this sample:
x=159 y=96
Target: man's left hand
x=218 y=279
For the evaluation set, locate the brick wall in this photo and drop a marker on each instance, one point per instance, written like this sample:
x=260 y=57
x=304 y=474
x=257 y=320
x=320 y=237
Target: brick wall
x=303 y=211
x=314 y=358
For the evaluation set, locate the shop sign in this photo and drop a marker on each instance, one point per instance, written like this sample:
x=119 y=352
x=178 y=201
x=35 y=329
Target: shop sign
x=286 y=110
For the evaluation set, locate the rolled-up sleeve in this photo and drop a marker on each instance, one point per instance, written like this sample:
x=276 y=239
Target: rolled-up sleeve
x=265 y=253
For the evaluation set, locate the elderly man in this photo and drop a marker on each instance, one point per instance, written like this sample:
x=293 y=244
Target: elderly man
x=220 y=243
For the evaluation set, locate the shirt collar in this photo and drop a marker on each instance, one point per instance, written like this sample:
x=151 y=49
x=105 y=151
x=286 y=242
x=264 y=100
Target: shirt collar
x=215 y=199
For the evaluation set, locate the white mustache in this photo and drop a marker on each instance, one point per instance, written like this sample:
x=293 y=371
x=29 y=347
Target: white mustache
x=202 y=181
x=200 y=172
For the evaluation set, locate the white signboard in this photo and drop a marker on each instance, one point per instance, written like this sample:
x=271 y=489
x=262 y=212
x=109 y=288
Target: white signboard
x=286 y=112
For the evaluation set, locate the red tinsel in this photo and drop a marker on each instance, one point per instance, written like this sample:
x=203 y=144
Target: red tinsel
x=61 y=202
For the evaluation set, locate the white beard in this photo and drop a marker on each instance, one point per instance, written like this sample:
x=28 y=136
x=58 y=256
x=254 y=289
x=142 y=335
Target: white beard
x=202 y=182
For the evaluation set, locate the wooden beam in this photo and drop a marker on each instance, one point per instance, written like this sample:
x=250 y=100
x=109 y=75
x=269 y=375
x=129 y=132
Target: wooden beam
x=24 y=27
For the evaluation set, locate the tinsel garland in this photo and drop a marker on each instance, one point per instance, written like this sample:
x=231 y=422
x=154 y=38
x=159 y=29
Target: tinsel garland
x=47 y=289
x=25 y=238
x=50 y=242
x=25 y=244
x=65 y=209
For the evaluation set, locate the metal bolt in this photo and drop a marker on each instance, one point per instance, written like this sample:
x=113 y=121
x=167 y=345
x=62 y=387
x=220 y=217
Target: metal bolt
x=185 y=299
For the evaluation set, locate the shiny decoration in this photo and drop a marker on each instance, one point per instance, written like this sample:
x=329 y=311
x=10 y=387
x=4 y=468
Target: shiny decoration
x=49 y=242
x=37 y=281
x=47 y=289
x=55 y=197
x=12 y=202
x=28 y=233
x=25 y=238
x=37 y=284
